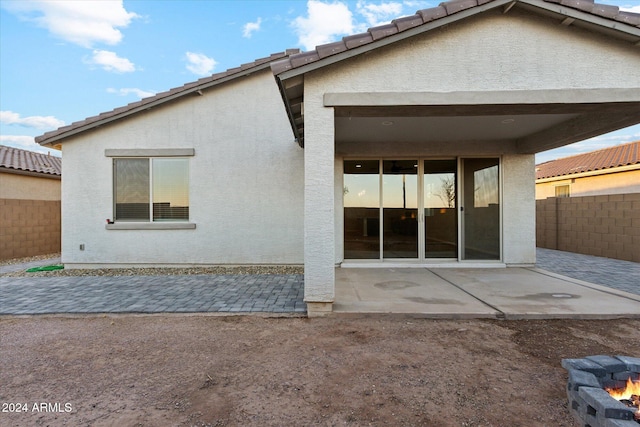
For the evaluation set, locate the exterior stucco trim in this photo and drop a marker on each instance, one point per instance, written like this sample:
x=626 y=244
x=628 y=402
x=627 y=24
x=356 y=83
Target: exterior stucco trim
x=555 y=96
x=150 y=152
x=151 y=226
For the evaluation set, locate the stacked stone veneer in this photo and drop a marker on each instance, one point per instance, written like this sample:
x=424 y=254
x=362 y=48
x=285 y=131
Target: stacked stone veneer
x=607 y=226
x=590 y=404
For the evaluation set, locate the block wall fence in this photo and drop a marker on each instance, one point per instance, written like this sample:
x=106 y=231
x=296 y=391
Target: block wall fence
x=607 y=226
x=29 y=227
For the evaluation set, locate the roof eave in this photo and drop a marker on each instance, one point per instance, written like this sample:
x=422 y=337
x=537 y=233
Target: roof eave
x=604 y=23
x=29 y=173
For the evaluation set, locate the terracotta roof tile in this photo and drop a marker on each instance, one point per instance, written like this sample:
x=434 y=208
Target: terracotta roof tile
x=29 y=161
x=619 y=155
x=186 y=88
x=407 y=22
x=455 y=6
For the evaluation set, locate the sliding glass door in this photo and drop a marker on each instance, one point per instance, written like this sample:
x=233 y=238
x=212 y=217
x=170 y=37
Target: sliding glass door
x=361 y=195
x=481 y=209
x=440 y=209
x=400 y=208
x=420 y=209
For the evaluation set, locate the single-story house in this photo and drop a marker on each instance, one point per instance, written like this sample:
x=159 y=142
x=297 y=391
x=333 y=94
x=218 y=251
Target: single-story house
x=613 y=170
x=411 y=144
x=29 y=203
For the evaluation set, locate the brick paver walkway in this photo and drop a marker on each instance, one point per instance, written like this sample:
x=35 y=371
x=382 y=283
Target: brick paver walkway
x=153 y=294
x=614 y=273
x=233 y=293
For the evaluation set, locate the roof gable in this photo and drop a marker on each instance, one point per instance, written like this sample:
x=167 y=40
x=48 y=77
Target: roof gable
x=608 y=158
x=23 y=161
x=160 y=98
x=453 y=10
x=587 y=14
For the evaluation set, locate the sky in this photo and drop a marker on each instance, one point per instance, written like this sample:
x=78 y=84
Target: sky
x=62 y=61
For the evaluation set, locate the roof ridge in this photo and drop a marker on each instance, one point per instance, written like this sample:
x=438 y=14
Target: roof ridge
x=160 y=96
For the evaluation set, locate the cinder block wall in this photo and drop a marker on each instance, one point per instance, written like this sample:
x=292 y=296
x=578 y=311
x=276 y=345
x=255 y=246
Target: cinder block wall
x=29 y=227
x=607 y=226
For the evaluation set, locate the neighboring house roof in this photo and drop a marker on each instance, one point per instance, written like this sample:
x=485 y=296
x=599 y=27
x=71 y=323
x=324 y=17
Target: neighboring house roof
x=144 y=104
x=619 y=155
x=583 y=13
x=15 y=160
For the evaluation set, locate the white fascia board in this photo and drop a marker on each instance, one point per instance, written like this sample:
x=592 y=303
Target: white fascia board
x=522 y=97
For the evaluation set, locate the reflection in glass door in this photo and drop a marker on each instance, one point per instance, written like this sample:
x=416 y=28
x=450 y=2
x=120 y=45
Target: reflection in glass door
x=361 y=195
x=440 y=212
x=400 y=208
x=481 y=209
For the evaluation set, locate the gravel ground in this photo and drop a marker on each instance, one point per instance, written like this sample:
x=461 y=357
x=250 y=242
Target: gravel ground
x=28 y=259
x=156 y=271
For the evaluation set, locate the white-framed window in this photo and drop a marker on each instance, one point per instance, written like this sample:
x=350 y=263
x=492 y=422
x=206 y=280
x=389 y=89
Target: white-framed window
x=151 y=189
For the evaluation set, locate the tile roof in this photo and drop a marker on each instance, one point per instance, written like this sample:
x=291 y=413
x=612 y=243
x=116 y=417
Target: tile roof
x=28 y=161
x=293 y=58
x=619 y=155
x=445 y=9
x=145 y=103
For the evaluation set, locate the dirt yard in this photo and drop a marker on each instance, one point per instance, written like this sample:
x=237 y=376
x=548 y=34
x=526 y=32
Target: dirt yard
x=252 y=371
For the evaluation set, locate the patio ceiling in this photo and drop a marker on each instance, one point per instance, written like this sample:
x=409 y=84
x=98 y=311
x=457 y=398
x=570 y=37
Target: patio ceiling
x=519 y=128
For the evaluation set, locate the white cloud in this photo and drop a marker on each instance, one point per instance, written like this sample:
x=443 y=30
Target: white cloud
x=140 y=93
x=251 y=27
x=26 y=143
x=200 y=64
x=325 y=21
x=379 y=14
x=635 y=9
x=110 y=61
x=80 y=22
x=35 y=122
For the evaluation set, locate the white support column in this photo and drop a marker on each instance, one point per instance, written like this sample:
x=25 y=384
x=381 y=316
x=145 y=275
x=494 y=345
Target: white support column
x=319 y=208
x=519 y=213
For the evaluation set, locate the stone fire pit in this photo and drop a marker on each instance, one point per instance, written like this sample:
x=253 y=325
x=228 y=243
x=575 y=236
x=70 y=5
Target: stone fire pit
x=590 y=404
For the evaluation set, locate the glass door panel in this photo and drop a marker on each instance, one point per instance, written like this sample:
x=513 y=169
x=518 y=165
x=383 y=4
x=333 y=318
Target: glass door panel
x=361 y=195
x=440 y=212
x=400 y=208
x=481 y=209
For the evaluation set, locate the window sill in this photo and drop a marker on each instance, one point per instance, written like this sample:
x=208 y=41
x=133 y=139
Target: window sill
x=151 y=226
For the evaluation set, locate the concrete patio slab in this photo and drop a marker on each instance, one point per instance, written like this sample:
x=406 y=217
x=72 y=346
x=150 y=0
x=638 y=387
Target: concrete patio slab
x=522 y=293
x=510 y=293
x=412 y=291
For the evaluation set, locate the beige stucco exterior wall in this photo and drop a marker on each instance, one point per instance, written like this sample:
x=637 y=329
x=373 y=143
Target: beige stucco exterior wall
x=593 y=185
x=246 y=182
x=25 y=187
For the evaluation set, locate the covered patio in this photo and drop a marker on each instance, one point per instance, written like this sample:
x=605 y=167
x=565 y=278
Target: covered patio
x=466 y=92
